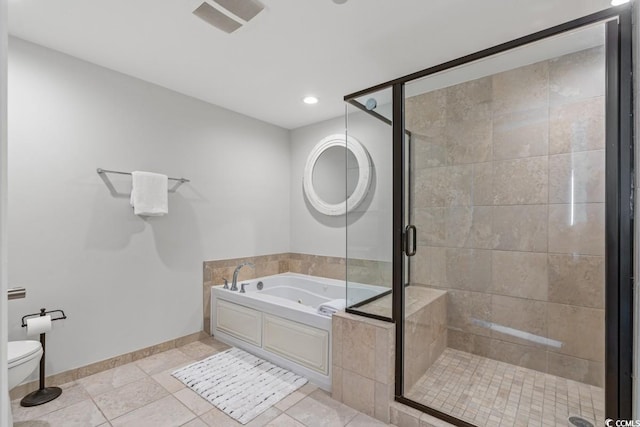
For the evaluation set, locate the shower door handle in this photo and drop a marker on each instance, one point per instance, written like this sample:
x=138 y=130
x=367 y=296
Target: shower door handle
x=410 y=230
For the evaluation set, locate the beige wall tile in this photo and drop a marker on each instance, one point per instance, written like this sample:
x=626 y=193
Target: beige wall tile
x=429 y=151
x=358 y=348
x=469 y=100
x=520 y=181
x=520 y=274
x=428 y=266
x=504 y=204
x=336 y=340
x=580 y=329
x=469 y=141
x=383 y=399
x=577 y=76
x=267 y=269
x=471 y=343
x=457 y=191
x=384 y=363
x=585 y=371
x=482 y=184
x=404 y=416
x=577 y=229
x=468 y=269
x=521 y=134
x=520 y=228
x=206 y=307
x=523 y=315
x=447 y=186
x=525 y=88
x=520 y=355
x=577 y=177
x=358 y=392
x=429 y=187
x=467 y=226
x=578 y=126
x=423 y=339
x=425 y=113
x=437 y=347
x=577 y=280
x=431 y=229
x=336 y=383
x=464 y=306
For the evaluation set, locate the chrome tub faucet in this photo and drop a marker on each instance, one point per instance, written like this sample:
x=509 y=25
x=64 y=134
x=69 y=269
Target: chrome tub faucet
x=234 y=282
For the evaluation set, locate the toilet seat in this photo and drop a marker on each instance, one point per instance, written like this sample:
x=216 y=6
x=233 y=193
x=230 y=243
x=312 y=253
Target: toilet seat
x=20 y=351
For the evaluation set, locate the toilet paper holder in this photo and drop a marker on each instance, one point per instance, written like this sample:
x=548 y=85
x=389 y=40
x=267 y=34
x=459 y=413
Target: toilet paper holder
x=43 y=394
x=43 y=312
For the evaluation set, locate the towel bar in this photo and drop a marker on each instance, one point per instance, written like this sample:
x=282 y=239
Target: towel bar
x=101 y=171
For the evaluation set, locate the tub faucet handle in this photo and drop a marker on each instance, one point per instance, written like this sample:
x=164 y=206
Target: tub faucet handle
x=226 y=283
x=242 y=291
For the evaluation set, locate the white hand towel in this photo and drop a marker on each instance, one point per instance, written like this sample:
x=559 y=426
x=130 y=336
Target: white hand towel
x=149 y=193
x=329 y=308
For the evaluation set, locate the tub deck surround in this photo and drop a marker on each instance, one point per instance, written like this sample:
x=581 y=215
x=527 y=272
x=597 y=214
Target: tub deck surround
x=360 y=270
x=280 y=322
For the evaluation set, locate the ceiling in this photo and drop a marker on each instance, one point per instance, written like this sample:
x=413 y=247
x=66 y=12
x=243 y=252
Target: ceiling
x=291 y=49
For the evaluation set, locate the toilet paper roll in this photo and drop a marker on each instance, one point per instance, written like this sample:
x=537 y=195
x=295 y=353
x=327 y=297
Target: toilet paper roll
x=38 y=325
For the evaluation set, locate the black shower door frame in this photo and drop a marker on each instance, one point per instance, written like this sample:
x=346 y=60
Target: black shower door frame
x=619 y=228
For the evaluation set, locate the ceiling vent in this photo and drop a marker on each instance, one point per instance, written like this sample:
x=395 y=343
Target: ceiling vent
x=245 y=9
x=228 y=15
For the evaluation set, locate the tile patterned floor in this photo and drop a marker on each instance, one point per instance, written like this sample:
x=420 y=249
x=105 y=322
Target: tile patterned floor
x=144 y=393
x=486 y=392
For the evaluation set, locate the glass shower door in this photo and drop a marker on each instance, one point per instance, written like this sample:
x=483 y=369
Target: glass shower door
x=504 y=312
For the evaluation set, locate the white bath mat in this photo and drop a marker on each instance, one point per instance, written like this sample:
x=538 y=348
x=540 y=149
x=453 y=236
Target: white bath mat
x=238 y=383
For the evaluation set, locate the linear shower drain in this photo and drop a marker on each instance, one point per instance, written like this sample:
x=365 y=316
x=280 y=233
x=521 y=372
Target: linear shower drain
x=580 y=422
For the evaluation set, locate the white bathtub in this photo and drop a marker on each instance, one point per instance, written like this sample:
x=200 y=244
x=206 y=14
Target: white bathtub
x=280 y=323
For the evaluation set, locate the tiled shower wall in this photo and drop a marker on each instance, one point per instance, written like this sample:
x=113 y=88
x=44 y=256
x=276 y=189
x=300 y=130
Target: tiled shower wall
x=508 y=192
x=362 y=271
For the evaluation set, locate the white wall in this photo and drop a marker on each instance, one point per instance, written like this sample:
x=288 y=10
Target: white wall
x=126 y=282
x=370 y=225
x=4 y=402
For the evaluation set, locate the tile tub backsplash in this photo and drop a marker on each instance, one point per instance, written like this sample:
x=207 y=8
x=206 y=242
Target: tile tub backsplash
x=508 y=190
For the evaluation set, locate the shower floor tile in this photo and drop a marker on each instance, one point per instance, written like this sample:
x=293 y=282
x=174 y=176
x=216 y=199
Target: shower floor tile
x=487 y=392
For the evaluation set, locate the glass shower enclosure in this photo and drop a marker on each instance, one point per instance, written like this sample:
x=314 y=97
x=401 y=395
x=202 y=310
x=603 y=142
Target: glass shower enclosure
x=500 y=231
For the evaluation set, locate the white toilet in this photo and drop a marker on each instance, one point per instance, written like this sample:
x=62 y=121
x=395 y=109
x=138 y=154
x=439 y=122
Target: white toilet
x=24 y=357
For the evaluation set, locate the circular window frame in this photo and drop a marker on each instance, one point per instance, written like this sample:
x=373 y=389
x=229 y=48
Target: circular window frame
x=364 y=175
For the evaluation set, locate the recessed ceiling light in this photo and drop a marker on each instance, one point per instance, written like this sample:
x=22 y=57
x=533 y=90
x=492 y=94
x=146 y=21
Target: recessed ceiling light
x=310 y=100
x=618 y=2
x=339 y=1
